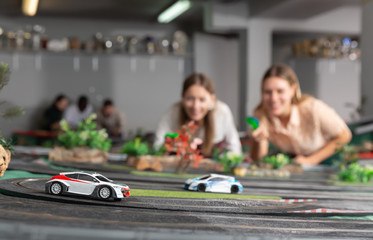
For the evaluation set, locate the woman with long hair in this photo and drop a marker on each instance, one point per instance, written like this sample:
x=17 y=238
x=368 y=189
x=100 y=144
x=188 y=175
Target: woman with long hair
x=213 y=117
x=297 y=124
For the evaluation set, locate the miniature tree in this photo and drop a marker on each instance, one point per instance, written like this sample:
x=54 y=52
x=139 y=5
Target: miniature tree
x=185 y=145
x=11 y=111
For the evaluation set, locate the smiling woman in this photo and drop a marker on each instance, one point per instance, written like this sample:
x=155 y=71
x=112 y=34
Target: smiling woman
x=299 y=125
x=199 y=104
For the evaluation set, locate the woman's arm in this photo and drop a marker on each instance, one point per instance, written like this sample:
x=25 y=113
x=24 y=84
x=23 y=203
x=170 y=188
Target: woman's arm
x=328 y=150
x=332 y=127
x=259 y=150
x=260 y=144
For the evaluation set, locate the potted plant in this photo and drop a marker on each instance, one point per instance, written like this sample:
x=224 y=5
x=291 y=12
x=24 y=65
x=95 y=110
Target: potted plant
x=85 y=144
x=12 y=111
x=5 y=155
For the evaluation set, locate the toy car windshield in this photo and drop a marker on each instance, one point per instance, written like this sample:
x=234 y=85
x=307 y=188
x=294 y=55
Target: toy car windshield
x=204 y=177
x=102 y=178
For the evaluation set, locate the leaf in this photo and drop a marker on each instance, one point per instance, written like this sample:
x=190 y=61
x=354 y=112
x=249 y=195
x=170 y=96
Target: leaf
x=12 y=112
x=171 y=135
x=4 y=75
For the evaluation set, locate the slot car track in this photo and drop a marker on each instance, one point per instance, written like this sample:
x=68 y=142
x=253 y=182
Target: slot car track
x=307 y=210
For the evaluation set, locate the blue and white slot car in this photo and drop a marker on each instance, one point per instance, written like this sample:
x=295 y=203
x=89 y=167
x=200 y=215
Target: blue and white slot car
x=214 y=183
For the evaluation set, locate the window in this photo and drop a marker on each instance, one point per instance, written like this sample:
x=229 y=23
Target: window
x=73 y=176
x=217 y=179
x=86 y=177
x=102 y=178
x=204 y=177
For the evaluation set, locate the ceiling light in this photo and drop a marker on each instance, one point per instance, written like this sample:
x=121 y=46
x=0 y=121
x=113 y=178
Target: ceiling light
x=174 y=11
x=29 y=7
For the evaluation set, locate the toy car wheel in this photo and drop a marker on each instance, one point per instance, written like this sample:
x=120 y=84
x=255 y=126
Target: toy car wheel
x=104 y=192
x=234 y=189
x=201 y=187
x=56 y=188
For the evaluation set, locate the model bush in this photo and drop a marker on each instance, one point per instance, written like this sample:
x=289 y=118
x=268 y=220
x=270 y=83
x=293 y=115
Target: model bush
x=277 y=161
x=350 y=170
x=135 y=147
x=228 y=159
x=355 y=173
x=85 y=135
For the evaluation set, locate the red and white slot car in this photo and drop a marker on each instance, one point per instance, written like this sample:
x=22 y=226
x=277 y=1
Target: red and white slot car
x=87 y=184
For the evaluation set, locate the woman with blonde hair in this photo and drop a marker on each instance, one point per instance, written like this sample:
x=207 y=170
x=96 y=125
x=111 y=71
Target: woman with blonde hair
x=296 y=124
x=213 y=117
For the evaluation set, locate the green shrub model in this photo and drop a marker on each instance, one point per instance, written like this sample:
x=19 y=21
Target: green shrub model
x=85 y=135
x=277 y=161
x=135 y=148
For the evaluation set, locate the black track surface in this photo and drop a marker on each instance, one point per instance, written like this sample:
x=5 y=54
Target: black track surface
x=29 y=213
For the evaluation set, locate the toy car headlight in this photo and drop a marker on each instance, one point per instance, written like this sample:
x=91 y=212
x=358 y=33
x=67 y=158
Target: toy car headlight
x=189 y=181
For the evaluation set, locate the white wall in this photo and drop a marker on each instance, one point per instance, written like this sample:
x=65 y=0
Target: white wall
x=217 y=57
x=141 y=86
x=334 y=81
x=345 y=20
x=367 y=57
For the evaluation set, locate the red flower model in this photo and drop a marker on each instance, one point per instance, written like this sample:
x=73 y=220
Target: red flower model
x=185 y=144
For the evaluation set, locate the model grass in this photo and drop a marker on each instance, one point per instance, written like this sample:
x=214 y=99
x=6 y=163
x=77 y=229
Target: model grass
x=10 y=174
x=194 y=195
x=163 y=174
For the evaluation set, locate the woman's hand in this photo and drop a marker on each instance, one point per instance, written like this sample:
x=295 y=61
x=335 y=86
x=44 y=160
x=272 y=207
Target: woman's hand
x=302 y=160
x=260 y=134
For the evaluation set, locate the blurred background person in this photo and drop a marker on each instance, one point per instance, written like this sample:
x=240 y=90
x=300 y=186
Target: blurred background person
x=112 y=119
x=78 y=112
x=54 y=114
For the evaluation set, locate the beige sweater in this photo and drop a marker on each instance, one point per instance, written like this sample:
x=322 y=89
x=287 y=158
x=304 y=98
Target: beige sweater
x=311 y=125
